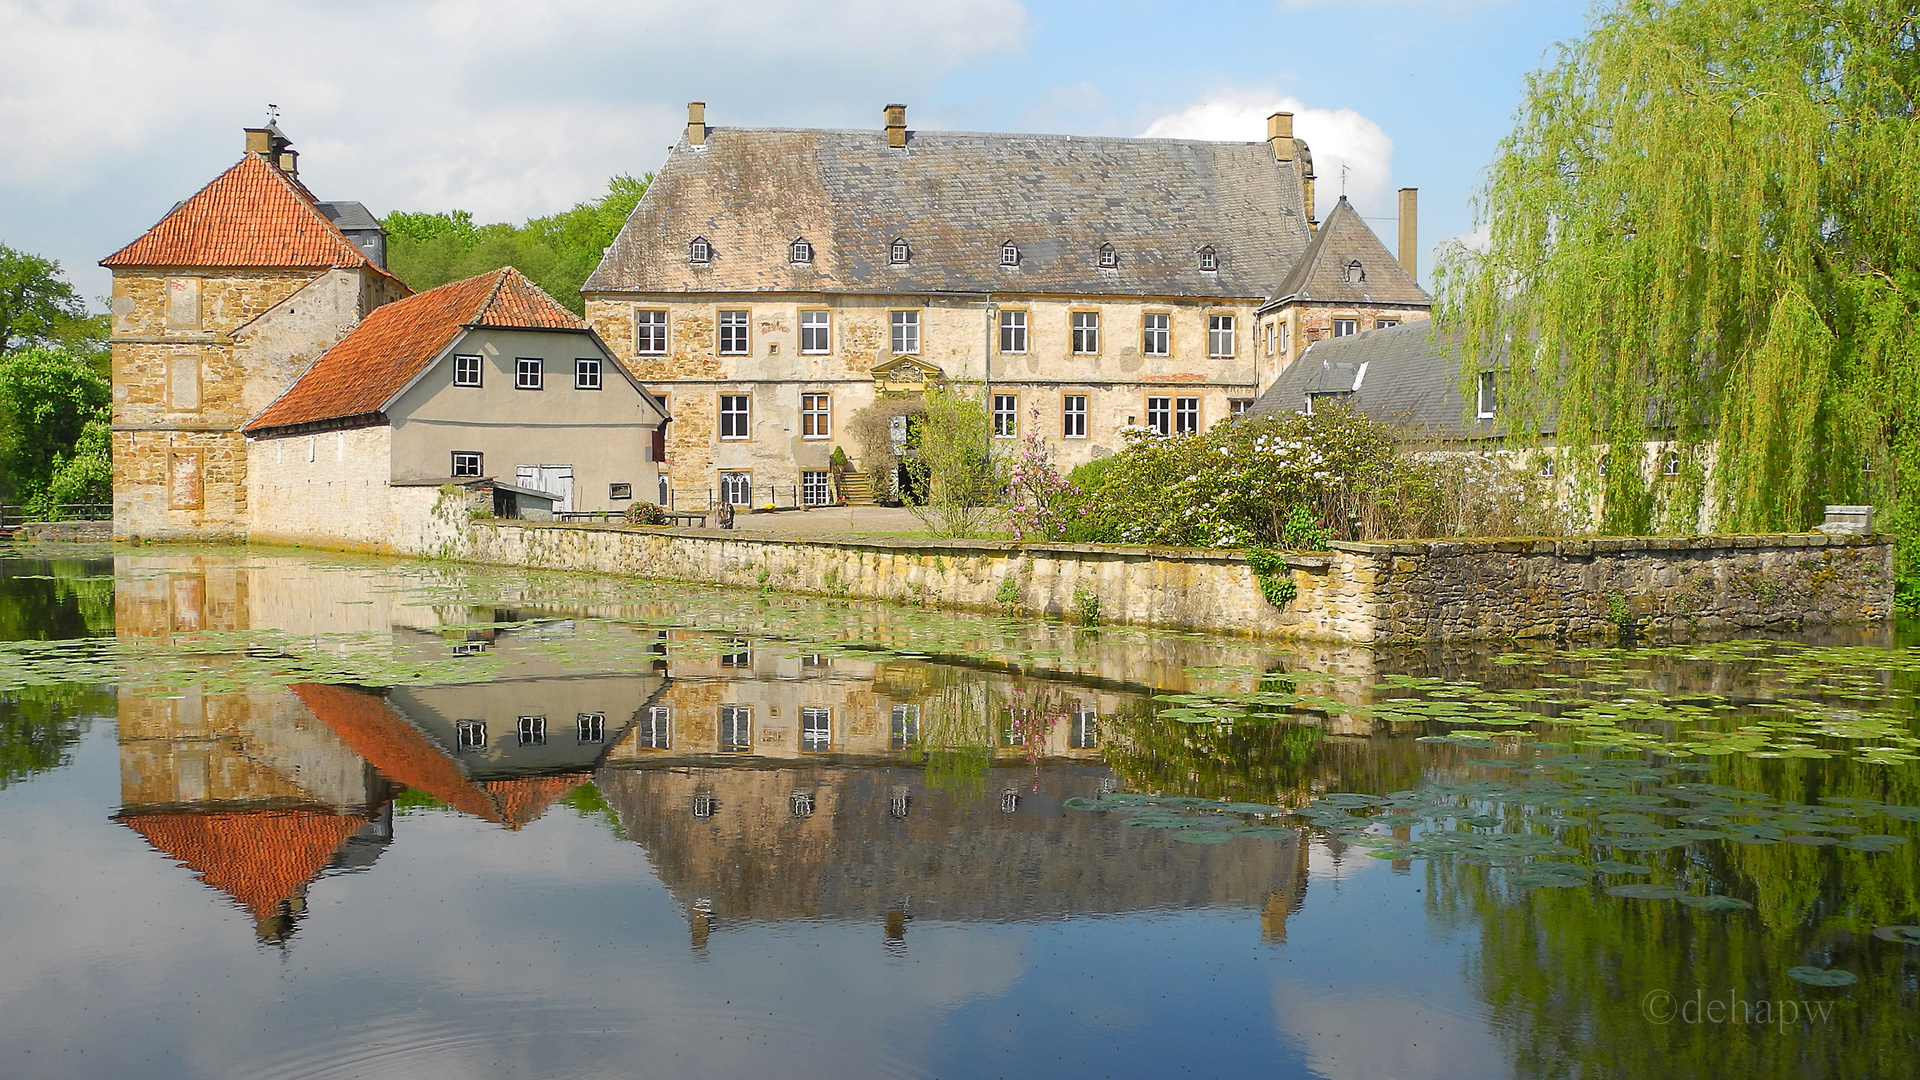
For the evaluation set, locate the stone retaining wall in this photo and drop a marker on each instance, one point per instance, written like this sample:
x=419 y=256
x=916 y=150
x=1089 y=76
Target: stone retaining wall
x=1358 y=593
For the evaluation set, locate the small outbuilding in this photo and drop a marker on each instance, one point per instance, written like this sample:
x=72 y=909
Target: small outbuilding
x=483 y=383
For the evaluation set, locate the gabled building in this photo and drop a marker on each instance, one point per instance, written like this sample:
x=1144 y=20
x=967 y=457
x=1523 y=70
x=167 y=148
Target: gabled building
x=774 y=284
x=216 y=310
x=487 y=381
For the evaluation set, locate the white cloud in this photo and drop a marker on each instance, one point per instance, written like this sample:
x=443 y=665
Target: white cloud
x=1339 y=138
x=110 y=110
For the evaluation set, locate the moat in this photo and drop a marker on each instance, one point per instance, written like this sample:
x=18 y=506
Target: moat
x=266 y=814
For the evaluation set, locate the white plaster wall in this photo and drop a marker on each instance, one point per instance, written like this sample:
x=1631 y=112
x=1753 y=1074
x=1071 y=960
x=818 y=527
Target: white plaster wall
x=328 y=489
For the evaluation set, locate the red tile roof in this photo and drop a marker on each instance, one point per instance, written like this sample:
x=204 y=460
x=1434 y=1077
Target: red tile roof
x=259 y=858
x=361 y=375
x=522 y=800
x=252 y=215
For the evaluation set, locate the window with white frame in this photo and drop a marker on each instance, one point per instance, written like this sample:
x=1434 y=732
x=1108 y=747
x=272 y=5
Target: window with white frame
x=1073 y=416
x=699 y=251
x=905 y=726
x=816 y=727
x=1086 y=332
x=591 y=727
x=466 y=371
x=1382 y=324
x=527 y=371
x=736 y=488
x=1283 y=337
x=816 y=487
x=1156 y=333
x=656 y=728
x=736 y=728
x=1209 y=261
x=800 y=252
x=533 y=731
x=1486 y=397
x=1160 y=415
x=586 y=374
x=1186 y=415
x=733 y=333
x=470 y=734
x=1006 y=416
x=1084 y=734
x=899 y=252
x=1238 y=405
x=1670 y=463
x=1013 y=331
x=734 y=416
x=739 y=654
x=1270 y=336
x=906 y=333
x=649 y=331
x=1219 y=336
x=815 y=338
x=1009 y=254
x=1109 y=258
x=816 y=416
x=1547 y=467
x=466 y=463
x=1345 y=327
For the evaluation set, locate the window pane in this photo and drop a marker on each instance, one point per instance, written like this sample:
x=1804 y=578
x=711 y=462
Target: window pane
x=586 y=374
x=816 y=416
x=1074 y=416
x=733 y=333
x=1160 y=415
x=1013 y=331
x=466 y=371
x=1086 y=332
x=816 y=728
x=1219 y=335
x=1006 y=415
x=813 y=331
x=650 y=332
x=527 y=373
x=1156 y=335
x=1343 y=327
x=815 y=487
x=906 y=332
x=1186 y=416
x=733 y=416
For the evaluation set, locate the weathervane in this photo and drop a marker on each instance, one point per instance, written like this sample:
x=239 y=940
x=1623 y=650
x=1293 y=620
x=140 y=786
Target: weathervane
x=1343 y=179
x=273 y=114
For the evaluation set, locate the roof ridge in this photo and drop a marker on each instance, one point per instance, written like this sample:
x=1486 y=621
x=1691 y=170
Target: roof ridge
x=881 y=133
x=499 y=282
x=177 y=207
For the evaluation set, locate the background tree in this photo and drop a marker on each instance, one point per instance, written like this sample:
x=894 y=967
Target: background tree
x=1705 y=231
x=54 y=412
x=954 y=464
x=38 y=307
x=558 y=252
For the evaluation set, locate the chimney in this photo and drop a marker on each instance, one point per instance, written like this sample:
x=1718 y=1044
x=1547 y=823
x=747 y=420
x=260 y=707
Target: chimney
x=260 y=141
x=1280 y=135
x=896 y=126
x=289 y=162
x=697 y=123
x=1410 y=232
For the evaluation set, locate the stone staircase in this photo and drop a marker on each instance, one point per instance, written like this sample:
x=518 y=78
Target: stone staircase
x=856 y=489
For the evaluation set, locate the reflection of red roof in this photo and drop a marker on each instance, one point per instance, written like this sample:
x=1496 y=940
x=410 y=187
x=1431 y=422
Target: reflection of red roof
x=521 y=801
x=365 y=722
x=260 y=858
x=378 y=733
x=251 y=215
x=360 y=375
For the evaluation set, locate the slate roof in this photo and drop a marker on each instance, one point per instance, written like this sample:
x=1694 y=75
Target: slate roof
x=1400 y=375
x=252 y=215
x=259 y=858
x=1323 y=274
x=361 y=375
x=955 y=198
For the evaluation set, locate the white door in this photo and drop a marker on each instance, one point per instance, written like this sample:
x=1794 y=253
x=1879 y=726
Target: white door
x=555 y=480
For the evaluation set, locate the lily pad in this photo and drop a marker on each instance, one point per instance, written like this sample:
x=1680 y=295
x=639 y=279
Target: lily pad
x=1611 y=866
x=1814 y=976
x=1902 y=935
x=1874 y=842
x=1715 y=902
x=1641 y=890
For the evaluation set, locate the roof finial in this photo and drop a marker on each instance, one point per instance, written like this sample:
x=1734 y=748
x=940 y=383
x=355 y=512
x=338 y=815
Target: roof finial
x=1343 y=179
x=273 y=114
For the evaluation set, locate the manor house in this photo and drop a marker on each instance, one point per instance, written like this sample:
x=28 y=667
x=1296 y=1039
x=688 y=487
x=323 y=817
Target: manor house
x=788 y=291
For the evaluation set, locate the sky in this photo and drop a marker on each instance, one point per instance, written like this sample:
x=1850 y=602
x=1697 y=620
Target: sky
x=111 y=111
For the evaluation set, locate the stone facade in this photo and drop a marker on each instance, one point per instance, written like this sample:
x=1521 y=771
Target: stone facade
x=957 y=339
x=1357 y=593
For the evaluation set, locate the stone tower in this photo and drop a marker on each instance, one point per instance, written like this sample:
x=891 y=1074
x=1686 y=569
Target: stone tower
x=216 y=310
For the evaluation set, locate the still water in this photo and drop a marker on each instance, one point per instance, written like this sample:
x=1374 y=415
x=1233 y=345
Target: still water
x=265 y=815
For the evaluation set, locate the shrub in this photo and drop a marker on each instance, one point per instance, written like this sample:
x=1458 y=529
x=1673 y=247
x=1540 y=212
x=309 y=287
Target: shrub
x=953 y=462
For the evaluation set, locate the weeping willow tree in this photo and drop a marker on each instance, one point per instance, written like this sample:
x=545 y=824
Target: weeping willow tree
x=1703 y=259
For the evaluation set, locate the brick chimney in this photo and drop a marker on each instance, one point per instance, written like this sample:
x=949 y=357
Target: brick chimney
x=1410 y=232
x=896 y=125
x=696 y=123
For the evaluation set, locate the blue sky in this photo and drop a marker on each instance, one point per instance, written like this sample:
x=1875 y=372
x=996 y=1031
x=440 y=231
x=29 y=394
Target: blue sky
x=113 y=110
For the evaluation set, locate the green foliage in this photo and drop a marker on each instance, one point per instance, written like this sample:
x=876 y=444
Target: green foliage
x=558 y=253
x=38 y=308
x=1271 y=574
x=953 y=461
x=40 y=724
x=1008 y=595
x=1086 y=607
x=1703 y=230
x=54 y=408
x=1248 y=482
x=839 y=462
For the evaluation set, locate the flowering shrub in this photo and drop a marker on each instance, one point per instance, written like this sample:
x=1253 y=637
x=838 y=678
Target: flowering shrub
x=1041 y=504
x=1286 y=480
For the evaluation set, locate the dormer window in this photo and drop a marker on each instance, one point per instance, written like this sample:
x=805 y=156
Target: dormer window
x=1209 y=262
x=900 y=253
x=699 y=251
x=800 y=252
x=1009 y=254
x=1109 y=258
x=1353 y=273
